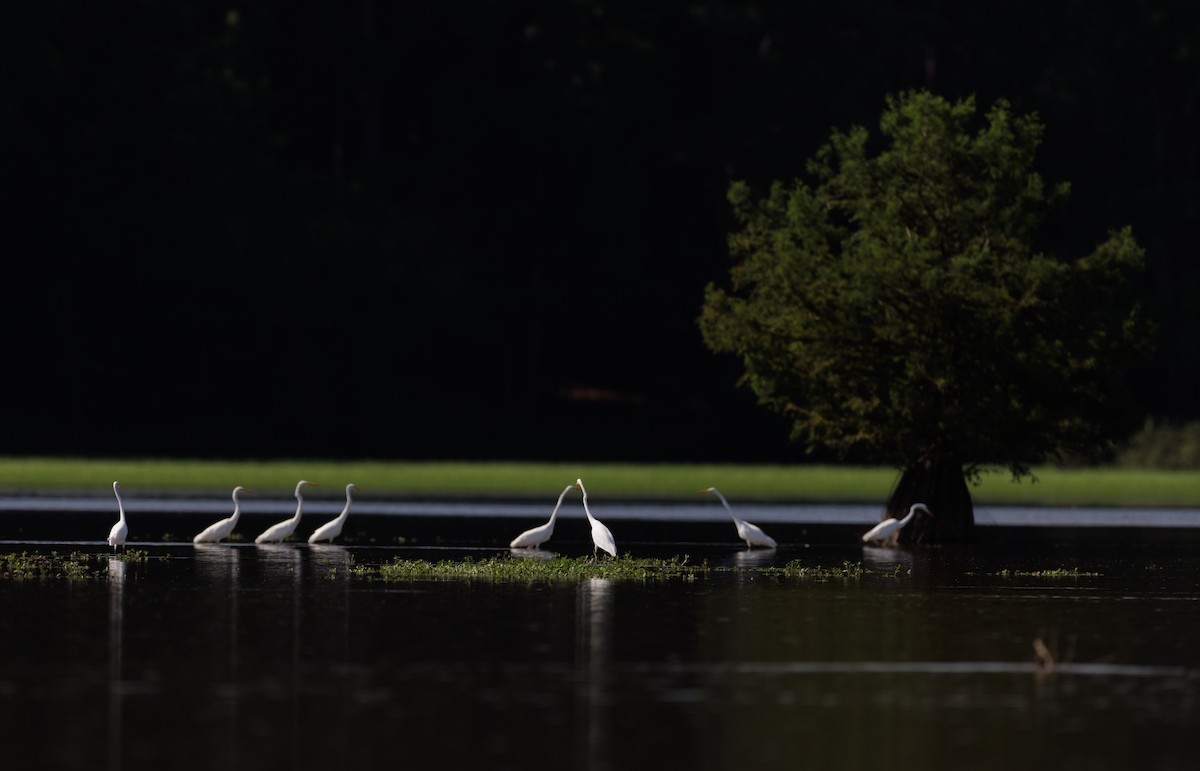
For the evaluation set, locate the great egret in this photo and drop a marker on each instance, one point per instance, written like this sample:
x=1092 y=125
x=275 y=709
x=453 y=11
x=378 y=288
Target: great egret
x=276 y=533
x=218 y=531
x=888 y=531
x=602 y=537
x=333 y=528
x=750 y=533
x=535 y=537
x=116 y=536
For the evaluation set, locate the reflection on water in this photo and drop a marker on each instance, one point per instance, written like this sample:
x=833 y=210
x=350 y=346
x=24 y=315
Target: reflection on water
x=218 y=568
x=542 y=555
x=884 y=559
x=275 y=656
x=756 y=557
x=594 y=620
x=116 y=624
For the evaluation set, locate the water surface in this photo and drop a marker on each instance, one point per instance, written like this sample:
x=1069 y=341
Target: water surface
x=242 y=656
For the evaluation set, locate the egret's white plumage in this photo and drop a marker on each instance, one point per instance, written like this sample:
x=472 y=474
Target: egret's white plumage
x=536 y=536
x=750 y=533
x=333 y=528
x=220 y=530
x=277 y=532
x=602 y=537
x=116 y=536
x=888 y=531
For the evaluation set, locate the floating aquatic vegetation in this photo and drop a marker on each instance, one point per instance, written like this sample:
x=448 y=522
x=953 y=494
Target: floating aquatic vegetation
x=25 y=566
x=518 y=569
x=1046 y=573
x=797 y=569
x=73 y=566
x=504 y=568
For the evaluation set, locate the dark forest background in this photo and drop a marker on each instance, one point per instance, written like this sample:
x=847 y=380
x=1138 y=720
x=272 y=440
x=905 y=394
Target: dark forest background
x=483 y=229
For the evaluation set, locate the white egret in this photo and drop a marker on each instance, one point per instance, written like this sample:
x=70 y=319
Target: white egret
x=277 y=532
x=888 y=531
x=750 y=533
x=219 y=531
x=602 y=537
x=535 y=537
x=333 y=528
x=116 y=536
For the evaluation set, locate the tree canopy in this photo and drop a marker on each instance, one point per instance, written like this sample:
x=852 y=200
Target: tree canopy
x=897 y=304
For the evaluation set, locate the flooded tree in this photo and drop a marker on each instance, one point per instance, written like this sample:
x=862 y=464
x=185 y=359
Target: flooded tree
x=896 y=305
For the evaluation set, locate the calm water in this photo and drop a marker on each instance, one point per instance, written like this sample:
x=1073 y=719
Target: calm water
x=271 y=657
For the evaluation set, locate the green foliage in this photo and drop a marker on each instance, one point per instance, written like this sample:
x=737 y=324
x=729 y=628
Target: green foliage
x=1164 y=447
x=895 y=304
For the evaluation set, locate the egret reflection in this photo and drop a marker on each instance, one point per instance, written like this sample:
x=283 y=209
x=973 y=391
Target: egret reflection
x=594 y=642
x=116 y=626
x=886 y=559
x=749 y=557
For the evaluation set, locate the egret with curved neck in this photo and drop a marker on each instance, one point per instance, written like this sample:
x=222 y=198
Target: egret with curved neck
x=220 y=530
x=888 y=531
x=116 y=536
x=536 y=536
x=333 y=528
x=277 y=532
x=602 y=537
x=750 y=533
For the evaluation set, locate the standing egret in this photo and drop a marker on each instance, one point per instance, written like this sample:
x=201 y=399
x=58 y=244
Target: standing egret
x=218 y=531
x=116 y=536
x=888 y=531
x=535 y=537
x=602 y=537
x=333 y=528
x=750 y=533
x=276 y=533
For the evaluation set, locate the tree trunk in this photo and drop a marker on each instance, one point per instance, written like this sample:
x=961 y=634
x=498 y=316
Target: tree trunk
x=942 y=487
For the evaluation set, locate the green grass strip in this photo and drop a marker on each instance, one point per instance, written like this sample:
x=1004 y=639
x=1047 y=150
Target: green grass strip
x=647 y=481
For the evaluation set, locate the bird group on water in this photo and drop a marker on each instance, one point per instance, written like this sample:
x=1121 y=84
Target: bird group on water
x=221 y=529
x=886 y=532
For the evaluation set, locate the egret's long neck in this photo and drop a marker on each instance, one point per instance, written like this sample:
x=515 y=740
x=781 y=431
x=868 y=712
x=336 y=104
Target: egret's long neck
x=237 y=509
x=907 y=517
x=553 y=514
x=299 y=506
x=725 y=503
x=586 y=510
x=120 y=505
x=345 y=511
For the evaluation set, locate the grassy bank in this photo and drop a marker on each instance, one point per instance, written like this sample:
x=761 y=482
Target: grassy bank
x=1106 y=487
